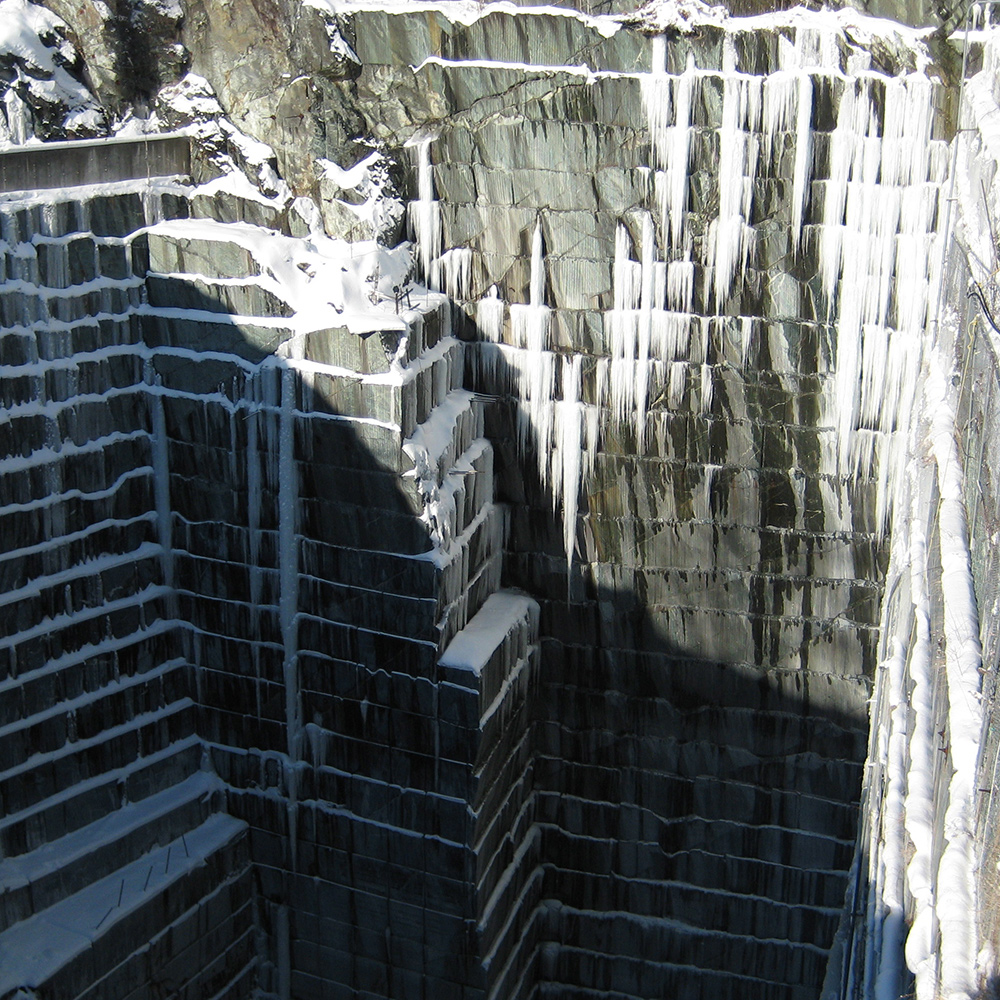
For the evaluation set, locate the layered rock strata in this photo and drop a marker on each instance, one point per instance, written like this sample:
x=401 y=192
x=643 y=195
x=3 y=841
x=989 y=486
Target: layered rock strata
x=241 y=546
x=691 y=370
x=113 y=854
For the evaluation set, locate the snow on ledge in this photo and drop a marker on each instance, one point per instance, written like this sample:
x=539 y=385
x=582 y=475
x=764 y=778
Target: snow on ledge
x=326 y=281
x=464 y=11
x=503 y=612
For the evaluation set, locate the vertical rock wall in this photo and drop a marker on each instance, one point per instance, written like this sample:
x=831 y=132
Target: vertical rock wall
x=109 y=852
x=670 y=251
x=688 y=269
x=256 y=586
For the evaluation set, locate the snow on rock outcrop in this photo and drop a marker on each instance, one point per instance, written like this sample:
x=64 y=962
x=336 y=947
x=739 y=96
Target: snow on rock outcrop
x=684 y=16
x=361 y=202
x=192 y=104
x=41 y=93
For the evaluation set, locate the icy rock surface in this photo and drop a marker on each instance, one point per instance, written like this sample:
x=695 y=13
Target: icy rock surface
x=689 y=272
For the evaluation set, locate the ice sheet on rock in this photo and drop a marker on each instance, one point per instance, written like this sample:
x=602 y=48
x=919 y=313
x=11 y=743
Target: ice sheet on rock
x=956 y=907
x=425 y=212
x=490 y=313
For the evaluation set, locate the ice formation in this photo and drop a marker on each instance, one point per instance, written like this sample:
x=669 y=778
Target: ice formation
x=873 y=220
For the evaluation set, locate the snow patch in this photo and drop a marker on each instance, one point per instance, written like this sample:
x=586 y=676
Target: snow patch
x=503 y=613
x=41 y=98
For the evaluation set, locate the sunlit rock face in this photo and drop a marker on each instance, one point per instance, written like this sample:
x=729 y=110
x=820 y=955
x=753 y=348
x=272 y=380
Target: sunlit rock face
x=516 y=602
x=669 y=254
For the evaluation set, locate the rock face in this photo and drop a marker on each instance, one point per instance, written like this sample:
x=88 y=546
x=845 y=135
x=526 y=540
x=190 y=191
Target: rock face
x=509 y=633
x=650 y=251
x=218 y=563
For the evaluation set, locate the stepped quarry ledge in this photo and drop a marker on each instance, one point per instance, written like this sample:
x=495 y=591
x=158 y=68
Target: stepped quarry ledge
x=498 y=502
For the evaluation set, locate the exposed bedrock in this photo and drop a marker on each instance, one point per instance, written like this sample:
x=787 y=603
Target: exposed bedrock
x=227 y=717
x=505 y=635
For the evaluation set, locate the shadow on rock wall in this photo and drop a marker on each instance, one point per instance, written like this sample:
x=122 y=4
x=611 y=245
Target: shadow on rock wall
x=696 y=817
x=682 y=818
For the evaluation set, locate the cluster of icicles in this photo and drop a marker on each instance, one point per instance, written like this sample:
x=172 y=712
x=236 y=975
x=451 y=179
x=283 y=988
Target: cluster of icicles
x=871 y=222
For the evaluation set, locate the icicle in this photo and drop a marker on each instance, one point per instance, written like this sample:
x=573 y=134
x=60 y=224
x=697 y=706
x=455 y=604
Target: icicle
x=452 y=272
x=707 y=389
x=803 y=154
x=490 y=316
x=671 y=335
x=569 y=435
x=19 y=126
x=730 y=238
x=677 y=386
x=530 y=323
x=537 y=285
x=876 y=246
x=668 y=102
x=680 y=286
x=425 y=212
x=746 y=340
x=152 y=206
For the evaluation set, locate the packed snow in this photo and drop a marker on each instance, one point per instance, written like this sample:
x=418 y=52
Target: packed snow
x=34 y=45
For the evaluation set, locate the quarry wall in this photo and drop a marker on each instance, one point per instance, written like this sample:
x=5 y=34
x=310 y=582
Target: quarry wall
x=217 y=650
x=71 y=164
x=520 y=645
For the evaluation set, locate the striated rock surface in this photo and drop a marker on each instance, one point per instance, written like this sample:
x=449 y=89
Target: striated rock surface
x=493 y=614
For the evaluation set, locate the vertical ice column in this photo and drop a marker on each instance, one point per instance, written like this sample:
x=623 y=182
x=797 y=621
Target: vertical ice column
x=490 y=316
x=161 y=474
x=730 y=237
x=425 y=213
x=530 y=328
x=451 y=273
x=564 y=431
x=18 y=116
x=575 y=444
x=668 y=101
x=636 y=287
x=787 y=107
x=878 y=265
